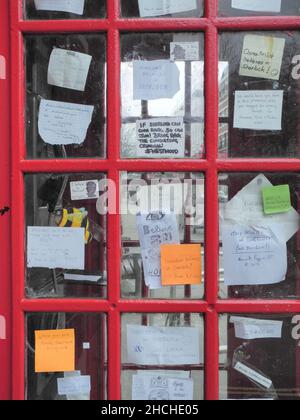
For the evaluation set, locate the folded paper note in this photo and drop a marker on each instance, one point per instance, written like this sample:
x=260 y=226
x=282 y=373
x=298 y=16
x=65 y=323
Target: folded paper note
x=54 y=351
x=253 y=329
x=277 y=199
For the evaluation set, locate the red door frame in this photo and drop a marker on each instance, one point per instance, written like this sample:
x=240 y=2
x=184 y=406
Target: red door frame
x=114 y=306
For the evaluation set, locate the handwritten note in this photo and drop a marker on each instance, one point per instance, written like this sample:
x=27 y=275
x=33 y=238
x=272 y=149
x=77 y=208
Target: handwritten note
x=262 y=57
x=258 y=109
x=185 y=51
x=165 y=7
x=75 y=385
x=253 y=375
x=252 y=329
x=54 y=351
x=51 y=247
x=62 y=123
x=68 y=69
x=69 y=6
x=277 y=199
x=149 y=388
x=180 y=264
x=84 y=190
x=161 y=137
x=257 y=5
x=163 y=345
x=155 y=229
x=252 y=256
x=156 y=79
x=246 y=208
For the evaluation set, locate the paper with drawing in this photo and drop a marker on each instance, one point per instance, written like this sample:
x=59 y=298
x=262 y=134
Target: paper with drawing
x=159 y=387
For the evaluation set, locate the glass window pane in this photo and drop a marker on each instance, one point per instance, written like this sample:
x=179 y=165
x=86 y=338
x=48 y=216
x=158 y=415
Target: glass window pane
x=258 y=85
x=157 y=8
x=259 y=250
x=162 y=96
x=171 y=204
x=258 y=8
x=82 y=9
x=58 y=202
x=90 y=335
x=259 y=357
x=183 y=361
x=66 y=96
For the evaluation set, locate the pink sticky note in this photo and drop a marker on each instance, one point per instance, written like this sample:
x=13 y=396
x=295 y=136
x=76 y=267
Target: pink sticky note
x=2 y=328
x=2 y=67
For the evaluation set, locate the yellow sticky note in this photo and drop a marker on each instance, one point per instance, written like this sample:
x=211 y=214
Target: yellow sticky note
x=181 y=264
x=54 y=351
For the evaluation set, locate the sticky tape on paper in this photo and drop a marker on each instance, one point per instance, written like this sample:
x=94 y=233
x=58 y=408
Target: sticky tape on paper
x=2 y=328
x=2 y=68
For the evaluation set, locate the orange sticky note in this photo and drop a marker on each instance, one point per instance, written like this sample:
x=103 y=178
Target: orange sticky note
x=54 y=351
x=181 y=264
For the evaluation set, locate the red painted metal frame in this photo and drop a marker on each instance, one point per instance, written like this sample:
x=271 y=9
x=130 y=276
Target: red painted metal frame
x=114 y=306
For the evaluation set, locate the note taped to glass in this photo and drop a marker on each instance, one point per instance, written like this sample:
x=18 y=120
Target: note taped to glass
x=165 y=7
x=68 y=6
x=273 y=6
x=181 y=264
x=277 y=199
x=54 y=351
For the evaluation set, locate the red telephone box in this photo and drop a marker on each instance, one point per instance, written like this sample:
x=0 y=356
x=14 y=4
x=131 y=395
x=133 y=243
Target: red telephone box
x=49 y=181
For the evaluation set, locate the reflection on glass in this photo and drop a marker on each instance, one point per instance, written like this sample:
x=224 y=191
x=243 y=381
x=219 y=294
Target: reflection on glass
x=158 y=91
x=65 y=9
x=261 y=250
x=156 y=194
x=158 y=8
x=70 y=70
x=90 y=349
x=259 y=357
x=67 y=201
x=258 y=8
x=262 y=126
x=153 y=377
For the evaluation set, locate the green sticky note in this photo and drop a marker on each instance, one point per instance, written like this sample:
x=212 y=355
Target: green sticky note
x=277 y=199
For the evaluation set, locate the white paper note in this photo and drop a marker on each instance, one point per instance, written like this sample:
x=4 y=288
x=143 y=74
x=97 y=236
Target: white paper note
x=165 y=7
x=257 y=5
x=182 y=374
x=155 y=229
x=161 y=138
x=80 y=396
x=246 y=208
x=84 y=190
x=74 y=385
x=262 y=57
x=69 y=6
x=252 y=374
x=156 y=79
x=54 y=247
x=62 y=123
x=252 y=256
x=251 y=329
x=81 y=278
x=163 y=345
x=258 y=109
x=185 y=51
x=68 y=69
x=150 y=388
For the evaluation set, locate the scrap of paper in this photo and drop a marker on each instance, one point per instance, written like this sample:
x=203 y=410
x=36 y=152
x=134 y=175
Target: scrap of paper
x=75 y=385
x=253 y=375
x=68 y=69
x=184 y=51
x=81 y=278
x=155 y=229
x=252 y=329
x=163 y=345
x=69 y=6
x=165 y=7
x=76 y=397
x=181 y=264
x=156 y=79
x=252 y=256
x=246 y=208
x=54 y=351
x=182 y=374
x=277 y=199
x=149 y=388
x=258 y=109
x=161 y=138
x=257 y=5
x=84 y=190
x=262 y=57
x=55 y=247
x=62 y=123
